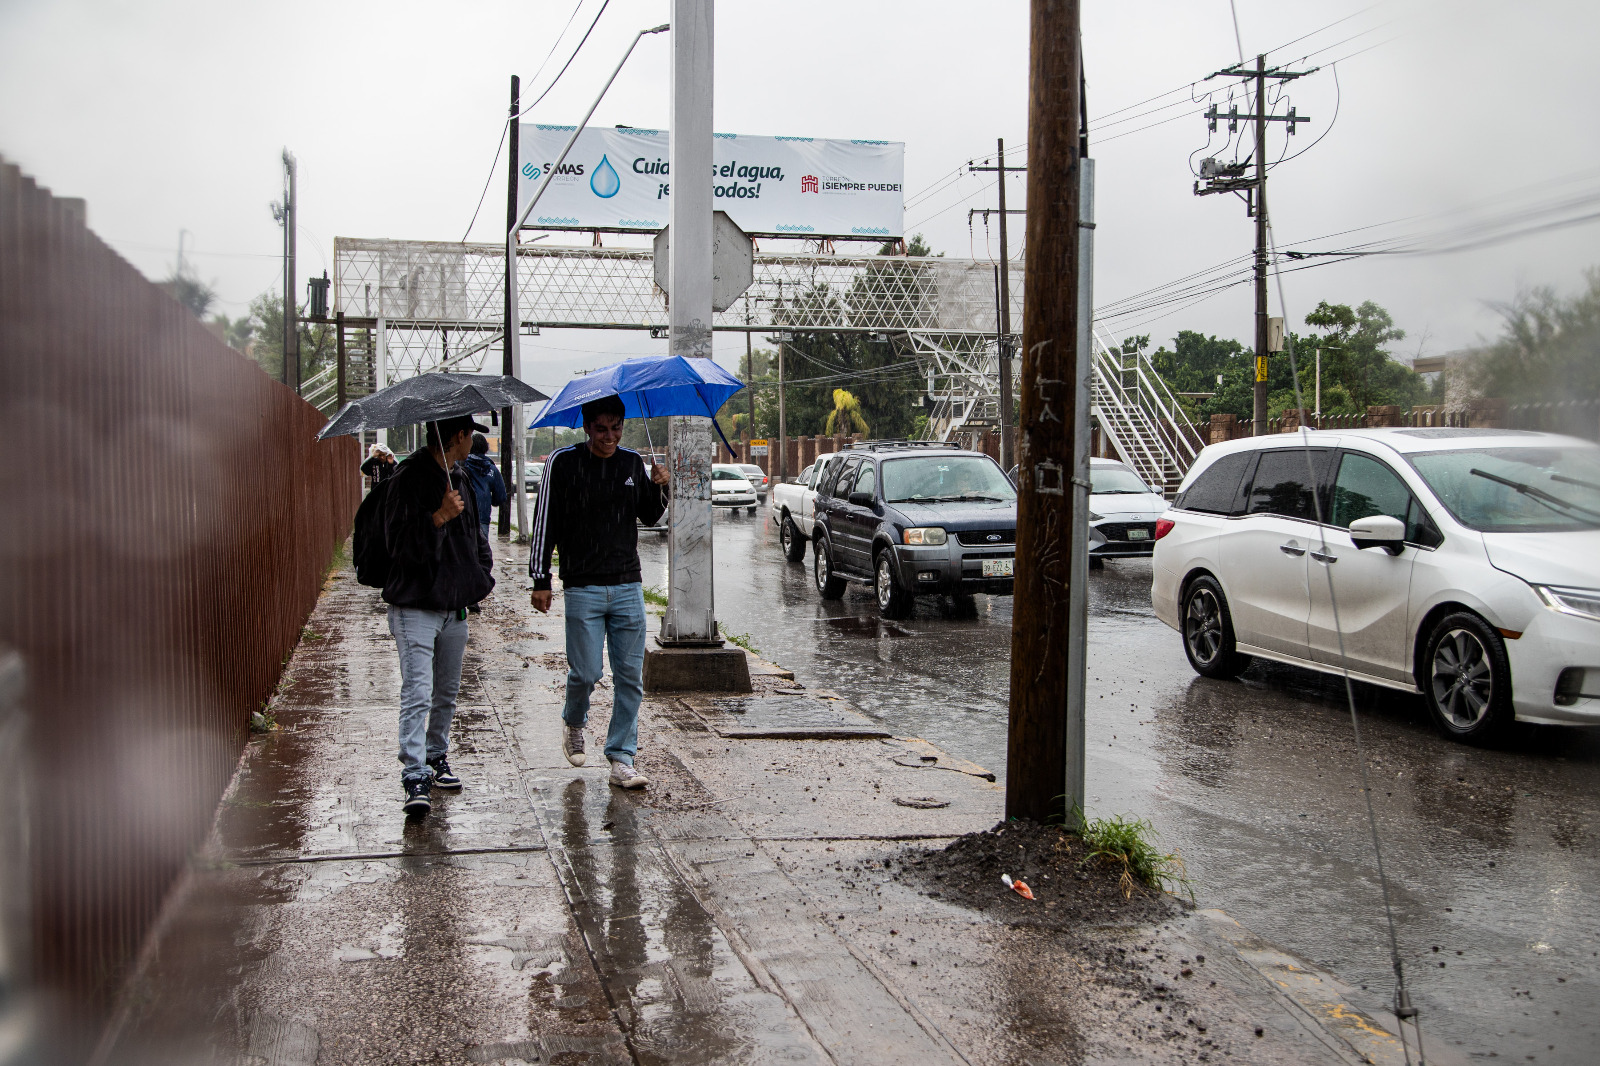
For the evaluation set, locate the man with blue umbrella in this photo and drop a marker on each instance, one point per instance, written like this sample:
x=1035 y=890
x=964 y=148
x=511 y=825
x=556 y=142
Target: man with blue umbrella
x=590 y=503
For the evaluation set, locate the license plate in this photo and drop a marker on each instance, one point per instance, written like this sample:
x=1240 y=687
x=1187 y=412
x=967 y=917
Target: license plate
x=997 y=567
x=1138 y=534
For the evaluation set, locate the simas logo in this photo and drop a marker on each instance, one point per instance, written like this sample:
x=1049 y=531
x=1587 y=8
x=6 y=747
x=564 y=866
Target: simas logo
x=531 y=171
x=808 y=183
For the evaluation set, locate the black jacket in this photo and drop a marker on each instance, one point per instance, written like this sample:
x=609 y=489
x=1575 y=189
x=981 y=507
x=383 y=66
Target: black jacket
x=590 y=509
x=438 y=569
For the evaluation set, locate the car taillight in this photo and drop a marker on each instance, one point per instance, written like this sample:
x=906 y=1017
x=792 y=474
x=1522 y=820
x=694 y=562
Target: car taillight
x=1163 y=527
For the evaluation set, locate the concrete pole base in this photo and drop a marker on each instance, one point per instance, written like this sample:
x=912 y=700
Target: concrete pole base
x=702 y=669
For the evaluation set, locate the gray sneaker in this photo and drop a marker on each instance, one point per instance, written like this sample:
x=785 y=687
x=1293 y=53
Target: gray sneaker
x=572 y=744
x=625 y=776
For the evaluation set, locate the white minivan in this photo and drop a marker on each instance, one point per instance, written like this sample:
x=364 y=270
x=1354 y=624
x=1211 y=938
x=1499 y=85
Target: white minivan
x=1461 y=563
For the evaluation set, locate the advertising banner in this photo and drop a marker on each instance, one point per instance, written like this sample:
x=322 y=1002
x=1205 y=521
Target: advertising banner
x=617 y=179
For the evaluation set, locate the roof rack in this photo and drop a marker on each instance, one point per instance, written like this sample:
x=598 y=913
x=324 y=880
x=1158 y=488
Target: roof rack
x=884 y=445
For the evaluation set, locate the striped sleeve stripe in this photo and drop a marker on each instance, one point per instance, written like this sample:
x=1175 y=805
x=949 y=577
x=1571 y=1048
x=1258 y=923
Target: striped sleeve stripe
x=536 y=568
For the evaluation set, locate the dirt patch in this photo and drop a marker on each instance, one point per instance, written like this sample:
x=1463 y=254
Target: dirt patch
x=1071 y=889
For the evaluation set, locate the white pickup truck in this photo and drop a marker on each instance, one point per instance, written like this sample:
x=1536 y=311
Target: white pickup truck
x=794 y=507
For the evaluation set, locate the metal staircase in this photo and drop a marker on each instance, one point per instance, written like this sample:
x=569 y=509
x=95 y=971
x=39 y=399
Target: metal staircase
x=1141 y=418
x=321 y=390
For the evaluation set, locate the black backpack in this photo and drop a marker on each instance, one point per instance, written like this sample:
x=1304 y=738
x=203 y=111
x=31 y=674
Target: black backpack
x=369 y=550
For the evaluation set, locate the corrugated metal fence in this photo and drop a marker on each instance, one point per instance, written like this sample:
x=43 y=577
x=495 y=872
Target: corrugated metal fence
x=166 y=520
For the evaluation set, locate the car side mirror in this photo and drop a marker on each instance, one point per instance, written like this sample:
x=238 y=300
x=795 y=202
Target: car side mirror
x=1379 y=531
x=861 y=499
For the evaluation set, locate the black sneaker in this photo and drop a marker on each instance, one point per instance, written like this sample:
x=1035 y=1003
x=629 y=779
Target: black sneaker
x=441 y=773
x=417 y=802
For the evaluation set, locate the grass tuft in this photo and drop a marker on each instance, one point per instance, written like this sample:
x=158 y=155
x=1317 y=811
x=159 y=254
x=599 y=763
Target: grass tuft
x=741 y=639
x=655 y=596
x=1129 y=843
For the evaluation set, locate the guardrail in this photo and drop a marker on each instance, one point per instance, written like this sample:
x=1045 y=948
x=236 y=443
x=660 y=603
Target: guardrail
x=168 y=520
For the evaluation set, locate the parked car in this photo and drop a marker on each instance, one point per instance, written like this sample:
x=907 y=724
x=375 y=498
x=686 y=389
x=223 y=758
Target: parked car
x=793 y=508
x=1122 y=512
x=913 y=518
x=532 y=477
x=757 y=478
x=730 y=489
x=1463 y=563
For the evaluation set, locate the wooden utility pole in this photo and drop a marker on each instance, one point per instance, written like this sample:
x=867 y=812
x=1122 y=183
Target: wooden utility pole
x=507 y=437
x=1008 y=437
x=1036 y=759
x=338 y=319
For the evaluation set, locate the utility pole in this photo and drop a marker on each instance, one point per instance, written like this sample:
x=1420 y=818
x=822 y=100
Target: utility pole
x=508 y=457
x=343 y=362
x=783 y=424
x=690 y=618
x=1038 y=748
x=291 y=331
x=1005 y=342
x=1229 y=177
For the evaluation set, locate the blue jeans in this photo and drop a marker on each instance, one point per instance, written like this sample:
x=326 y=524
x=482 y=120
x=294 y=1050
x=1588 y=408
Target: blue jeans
x=431 y=644
x=596 y=613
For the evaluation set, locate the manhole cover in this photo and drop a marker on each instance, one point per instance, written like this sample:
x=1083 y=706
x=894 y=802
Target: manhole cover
x=926 y=803
x=790 y=718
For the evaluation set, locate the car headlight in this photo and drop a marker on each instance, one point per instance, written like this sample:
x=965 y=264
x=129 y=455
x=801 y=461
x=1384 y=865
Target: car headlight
x=1585 y=603
x=928 y=536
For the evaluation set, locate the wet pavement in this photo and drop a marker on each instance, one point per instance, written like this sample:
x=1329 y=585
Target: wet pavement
x=1492 y=854
x=742 y=910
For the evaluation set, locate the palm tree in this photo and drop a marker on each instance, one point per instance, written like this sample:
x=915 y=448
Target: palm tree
x=846 y=412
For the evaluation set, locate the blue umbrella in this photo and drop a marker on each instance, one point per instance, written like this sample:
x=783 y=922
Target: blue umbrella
x=650 y=387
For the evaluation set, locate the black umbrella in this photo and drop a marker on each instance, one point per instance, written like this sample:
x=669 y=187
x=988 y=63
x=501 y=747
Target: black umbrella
x=429 y=398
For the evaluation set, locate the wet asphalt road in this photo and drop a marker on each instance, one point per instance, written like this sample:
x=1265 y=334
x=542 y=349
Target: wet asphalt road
x=1492 y=857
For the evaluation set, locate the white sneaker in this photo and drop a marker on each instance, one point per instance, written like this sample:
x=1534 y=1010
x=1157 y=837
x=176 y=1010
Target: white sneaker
x=625 y=776
x=572 y=744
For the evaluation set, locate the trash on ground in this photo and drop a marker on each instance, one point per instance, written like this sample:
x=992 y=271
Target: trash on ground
x=1019 y=887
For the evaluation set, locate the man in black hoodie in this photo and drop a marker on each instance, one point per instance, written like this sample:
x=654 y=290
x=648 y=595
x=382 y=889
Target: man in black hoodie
x=592 y=498
x=439 y=565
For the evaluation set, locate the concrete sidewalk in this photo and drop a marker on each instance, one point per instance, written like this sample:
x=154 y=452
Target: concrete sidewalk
x=722 y=916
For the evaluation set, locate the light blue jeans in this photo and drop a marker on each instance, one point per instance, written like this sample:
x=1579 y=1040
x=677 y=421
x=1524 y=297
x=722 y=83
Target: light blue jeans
x=596 y=613
x=431 y=644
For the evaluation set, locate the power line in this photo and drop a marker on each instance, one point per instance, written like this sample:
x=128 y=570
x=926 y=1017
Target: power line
x=554 y=81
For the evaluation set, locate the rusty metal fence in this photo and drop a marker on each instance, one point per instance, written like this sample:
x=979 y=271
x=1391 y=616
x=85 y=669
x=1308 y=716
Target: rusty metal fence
x=166 y=524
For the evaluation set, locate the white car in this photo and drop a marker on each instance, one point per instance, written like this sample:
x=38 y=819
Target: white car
x=1463 y=563
x=1122 y=512
x=730 y=489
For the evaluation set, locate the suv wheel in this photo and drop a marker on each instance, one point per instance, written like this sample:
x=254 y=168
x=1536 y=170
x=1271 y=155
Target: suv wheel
x=893 y=601
x=1208 y=631
x=1466 y=679
x=829 y=585
x=794 y=546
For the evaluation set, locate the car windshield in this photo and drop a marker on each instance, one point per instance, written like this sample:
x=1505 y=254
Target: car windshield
x=1113 y=480
x=756 y=470
x=926 y=478
x=722 y=473
x=1517 y=490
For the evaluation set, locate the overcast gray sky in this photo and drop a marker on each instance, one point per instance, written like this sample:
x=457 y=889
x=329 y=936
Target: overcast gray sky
x=169 y=114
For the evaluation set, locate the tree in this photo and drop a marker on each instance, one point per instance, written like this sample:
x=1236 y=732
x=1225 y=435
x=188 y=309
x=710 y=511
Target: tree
x=1548 y=349
x=191 y=292
x=318 y=342
x=846 y=412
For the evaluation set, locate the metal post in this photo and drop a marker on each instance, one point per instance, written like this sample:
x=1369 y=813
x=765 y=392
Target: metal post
x=338 y=319
x=1007 y=433
x=1318 y=411
x=509 y=424
x=691 y=612
x=783 y=423
x=380 y=366
x=1260 y=409
x=1047 y=513
x=1078 y=585
x=291 y=332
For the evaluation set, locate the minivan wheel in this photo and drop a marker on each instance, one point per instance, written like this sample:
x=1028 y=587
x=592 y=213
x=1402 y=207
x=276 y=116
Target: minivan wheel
x=829 y=585
x=893 y=601
x=794 y=545
x=1208 y=631
x=1466 y=679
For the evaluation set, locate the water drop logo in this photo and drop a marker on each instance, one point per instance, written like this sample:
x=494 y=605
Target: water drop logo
x=604 y=182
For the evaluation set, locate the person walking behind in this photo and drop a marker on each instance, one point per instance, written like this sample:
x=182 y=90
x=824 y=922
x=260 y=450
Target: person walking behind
x=380 y=464
x=439 y=565
x=593 y=497
x=488 y=489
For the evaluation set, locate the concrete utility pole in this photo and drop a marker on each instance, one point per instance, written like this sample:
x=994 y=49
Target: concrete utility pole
x=690 y=618
x=508 y=451
x=285 y=214
x=1229 y=177
x=1047 y=504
